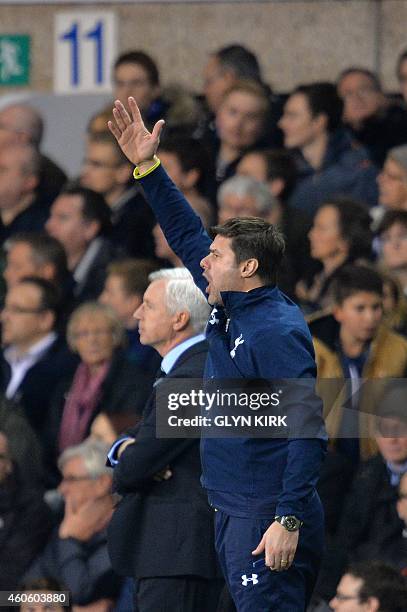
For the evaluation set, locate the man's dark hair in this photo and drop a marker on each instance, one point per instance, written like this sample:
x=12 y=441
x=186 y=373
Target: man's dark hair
x=390 y=218
x=360 y=70
x=134 y=273
x=144 y=60
x=280 y=164
x=322 y=99
x=107 y=138
x=94 y=207
x=253 y=237
x=191 y=154
x=240 y=60
x=354 y=226
x=350 y=280
x=383 y=582
x=45 y=249
x=49 y=294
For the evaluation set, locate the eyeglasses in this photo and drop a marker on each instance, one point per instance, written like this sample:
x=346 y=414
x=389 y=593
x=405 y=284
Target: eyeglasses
x=87 y=333
x=361 y=92
x=395 y=238
x=341 y=597
x=95 y=163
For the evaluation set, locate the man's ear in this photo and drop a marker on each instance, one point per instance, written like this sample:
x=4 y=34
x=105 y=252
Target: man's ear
x=92 y=230
x=373 y=604
x=191 y=178
x=321 y=121
x=337 y=312
x=181 y=320
x=249 y=268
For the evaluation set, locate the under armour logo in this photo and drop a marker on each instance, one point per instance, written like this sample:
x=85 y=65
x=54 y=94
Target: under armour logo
x=238 y=342
x=213 y=320
x=246 y=580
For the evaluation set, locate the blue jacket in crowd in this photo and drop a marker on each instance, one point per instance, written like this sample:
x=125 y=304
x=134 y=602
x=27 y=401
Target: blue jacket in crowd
x=260 y=334
x=346 y=171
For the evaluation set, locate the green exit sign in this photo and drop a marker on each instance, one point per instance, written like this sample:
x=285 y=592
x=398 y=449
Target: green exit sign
x=14 y=59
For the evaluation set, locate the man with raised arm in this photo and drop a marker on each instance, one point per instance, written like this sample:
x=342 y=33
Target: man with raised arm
x=263 y=489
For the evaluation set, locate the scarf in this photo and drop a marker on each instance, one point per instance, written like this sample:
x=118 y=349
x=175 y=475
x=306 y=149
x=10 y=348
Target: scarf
x=84 y=396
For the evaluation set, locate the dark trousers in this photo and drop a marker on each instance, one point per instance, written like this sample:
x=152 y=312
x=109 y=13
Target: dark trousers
x=260 y=589
x=177 y=594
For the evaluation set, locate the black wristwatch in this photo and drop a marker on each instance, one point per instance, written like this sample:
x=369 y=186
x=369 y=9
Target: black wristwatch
x=291 y=523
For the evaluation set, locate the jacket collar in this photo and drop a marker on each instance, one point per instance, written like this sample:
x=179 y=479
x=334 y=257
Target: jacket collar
x=236 y=300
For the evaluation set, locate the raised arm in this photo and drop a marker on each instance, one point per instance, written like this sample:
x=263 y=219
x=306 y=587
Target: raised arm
x=181 y=225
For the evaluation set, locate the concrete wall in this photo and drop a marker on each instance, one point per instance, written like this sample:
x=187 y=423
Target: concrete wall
x=296 y=41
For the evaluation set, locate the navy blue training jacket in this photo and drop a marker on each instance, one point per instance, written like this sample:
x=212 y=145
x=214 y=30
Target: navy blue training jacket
x=246 y=476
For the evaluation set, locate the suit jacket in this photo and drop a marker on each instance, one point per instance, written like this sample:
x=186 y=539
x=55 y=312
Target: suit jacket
x=40 y=381
x=163 y=528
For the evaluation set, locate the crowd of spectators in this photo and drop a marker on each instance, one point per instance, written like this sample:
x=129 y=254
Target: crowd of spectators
x=328 y=164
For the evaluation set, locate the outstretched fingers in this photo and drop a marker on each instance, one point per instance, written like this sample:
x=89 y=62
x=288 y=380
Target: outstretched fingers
x=114 y=129
x=158 y=129
x=135 y=111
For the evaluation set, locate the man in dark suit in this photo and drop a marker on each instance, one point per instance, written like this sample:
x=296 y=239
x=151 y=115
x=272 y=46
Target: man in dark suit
x=81 y=220
x=162 y=530
x=35 y=358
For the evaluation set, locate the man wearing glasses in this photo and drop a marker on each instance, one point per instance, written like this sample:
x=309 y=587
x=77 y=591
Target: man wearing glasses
x=370 y=587
x=35 y=358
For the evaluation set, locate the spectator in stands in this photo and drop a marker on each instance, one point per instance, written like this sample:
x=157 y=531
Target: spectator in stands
x=394 y=304
x=278 y=170
x=80 y=220
x=401 y=552
x=339 y=235
x=108 y=172
x=373 y=120
x=401 y=71
x=240 y=123
x=125 y=285
x=20 y=209
x=25 y=520
x=35 y=358
x=392 y=233
x=352 y=343
x=22 y=124
x=46 y=586
x=40 y=255
x=35 y=254
x=104 y=381
x=187 y=163
x=329 y=163
x=24 y=444
x=373 y=530
x=392 y=180
x=224 y=68
x=172 y=318
x=370 y=587
x=163 y=250
x=243 y=196
x=136 y=74
x=76 y=555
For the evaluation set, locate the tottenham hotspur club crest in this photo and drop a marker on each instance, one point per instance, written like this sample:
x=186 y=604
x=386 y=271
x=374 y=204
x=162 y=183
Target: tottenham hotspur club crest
x=238 y=342
x=213 y=320
x=246 y=580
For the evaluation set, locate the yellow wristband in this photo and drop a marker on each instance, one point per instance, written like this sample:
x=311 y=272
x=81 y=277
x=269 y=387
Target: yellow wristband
x=138 y=175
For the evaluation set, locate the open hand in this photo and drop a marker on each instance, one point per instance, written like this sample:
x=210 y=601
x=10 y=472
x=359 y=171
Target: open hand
x=136 y=142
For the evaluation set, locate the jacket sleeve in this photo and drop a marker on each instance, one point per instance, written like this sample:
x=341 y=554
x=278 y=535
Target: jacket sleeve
x=182 y=227
x=86 y=572
x=147 y=456
x=307 y=440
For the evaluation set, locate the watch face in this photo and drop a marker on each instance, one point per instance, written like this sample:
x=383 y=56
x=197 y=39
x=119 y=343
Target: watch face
x=291 y=523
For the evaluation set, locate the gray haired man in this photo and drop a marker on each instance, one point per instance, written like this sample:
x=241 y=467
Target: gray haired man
x=162 y=531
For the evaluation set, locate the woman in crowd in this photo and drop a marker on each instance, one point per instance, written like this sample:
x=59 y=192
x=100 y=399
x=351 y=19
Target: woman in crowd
x=392 y=235
x=340 y=235
x=104 y=382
